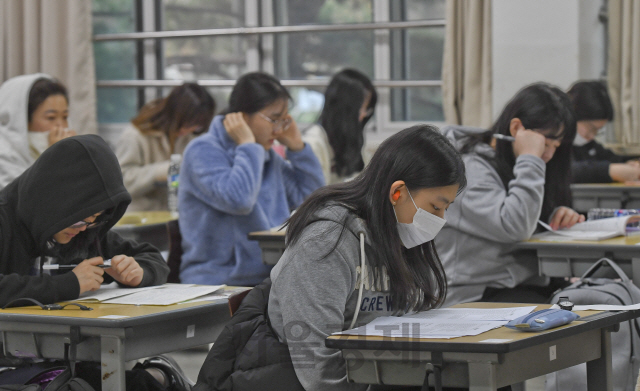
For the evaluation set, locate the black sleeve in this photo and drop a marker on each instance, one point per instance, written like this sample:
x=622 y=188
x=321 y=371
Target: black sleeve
x=590 y=171
x=148 y=257
x=45 y=288
x=606 y=154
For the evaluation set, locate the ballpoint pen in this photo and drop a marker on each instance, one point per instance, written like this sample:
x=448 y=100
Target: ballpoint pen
x=106 y=265
x=503 y=137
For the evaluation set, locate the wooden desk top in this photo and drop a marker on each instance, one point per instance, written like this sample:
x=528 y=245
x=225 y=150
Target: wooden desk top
x=618 y=241
x=268 y=236
x=511 y=339
x=145 y=218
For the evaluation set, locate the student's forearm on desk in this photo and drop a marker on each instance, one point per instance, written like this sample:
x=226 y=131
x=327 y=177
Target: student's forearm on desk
x=45 y=288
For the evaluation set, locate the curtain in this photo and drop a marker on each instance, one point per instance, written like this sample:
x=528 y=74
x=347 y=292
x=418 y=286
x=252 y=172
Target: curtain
x=624 y=69
x=466 y=65
x=53 y=37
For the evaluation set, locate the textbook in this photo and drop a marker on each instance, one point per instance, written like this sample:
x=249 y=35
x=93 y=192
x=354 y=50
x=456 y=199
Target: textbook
x=594 y=229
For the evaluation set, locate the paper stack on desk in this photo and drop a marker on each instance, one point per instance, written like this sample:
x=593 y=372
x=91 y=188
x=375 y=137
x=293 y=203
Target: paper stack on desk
x=154 y=295
x=441 y=323
x=591 y=230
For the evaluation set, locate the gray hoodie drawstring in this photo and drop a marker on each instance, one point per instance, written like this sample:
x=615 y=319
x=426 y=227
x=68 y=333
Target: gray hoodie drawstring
x=362 y=275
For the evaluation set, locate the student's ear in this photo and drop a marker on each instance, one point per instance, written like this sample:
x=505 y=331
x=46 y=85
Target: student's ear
x=514 y=126
x=397 y=192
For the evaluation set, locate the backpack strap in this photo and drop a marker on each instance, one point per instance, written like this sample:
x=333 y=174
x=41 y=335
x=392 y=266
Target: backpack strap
x=608 y=262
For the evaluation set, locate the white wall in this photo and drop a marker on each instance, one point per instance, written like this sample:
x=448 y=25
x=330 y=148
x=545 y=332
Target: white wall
x=557 y=42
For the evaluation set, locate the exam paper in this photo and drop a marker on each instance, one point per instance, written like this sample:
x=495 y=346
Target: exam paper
x=166 y=295
x=441 y=323
x=111 y=291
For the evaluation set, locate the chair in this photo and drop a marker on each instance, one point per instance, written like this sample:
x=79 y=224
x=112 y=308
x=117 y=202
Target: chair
x=236 y=299
x=175 y=251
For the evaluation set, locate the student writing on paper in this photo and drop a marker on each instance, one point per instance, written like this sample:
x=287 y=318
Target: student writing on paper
x=61 y=210
x=162 y=127
x=338 y=137
x=357 y=250
x=233 y=183
x=593 y=163
x=511 y=185
x=33 y=116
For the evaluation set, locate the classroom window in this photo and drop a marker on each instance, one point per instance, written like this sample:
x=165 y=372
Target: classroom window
x=132 y=70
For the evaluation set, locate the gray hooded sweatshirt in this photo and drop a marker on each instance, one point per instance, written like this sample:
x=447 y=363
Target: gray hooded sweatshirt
x=486 y=220
x=15 y=155
x=314 y=293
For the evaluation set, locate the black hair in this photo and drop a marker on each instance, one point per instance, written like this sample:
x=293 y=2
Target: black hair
x=40 y=91
x=340 y=118
x=545 y=108
x=423 y=158
x=590 y=100
x=255 y=91
x=86 y=244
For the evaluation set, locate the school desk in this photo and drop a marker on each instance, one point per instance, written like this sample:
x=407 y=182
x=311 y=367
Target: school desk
x=149 y=227
x=271 y=243
x=111 y=333
x=490 y=360
x=605 y=195
x=573 y=258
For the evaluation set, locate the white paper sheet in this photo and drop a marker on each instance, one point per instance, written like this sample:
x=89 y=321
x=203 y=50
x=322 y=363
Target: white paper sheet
x=111 y=291
x=441 y=323
x=166 y=295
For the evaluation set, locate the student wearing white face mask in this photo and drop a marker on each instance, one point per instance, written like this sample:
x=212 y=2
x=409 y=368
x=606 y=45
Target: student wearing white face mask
x=356 y=251
x=33 y=116
x=592 y=162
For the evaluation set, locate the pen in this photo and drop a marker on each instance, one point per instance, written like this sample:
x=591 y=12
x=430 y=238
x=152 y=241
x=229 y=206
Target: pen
x=106 y=265
x=503 y=137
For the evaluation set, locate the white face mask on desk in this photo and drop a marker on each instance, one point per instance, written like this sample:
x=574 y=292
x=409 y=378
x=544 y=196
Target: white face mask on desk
x=423 y=229
x=39 y=141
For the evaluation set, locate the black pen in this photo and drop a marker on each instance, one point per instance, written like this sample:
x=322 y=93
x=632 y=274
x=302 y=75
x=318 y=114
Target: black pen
x=503 y=137
x=106 y=265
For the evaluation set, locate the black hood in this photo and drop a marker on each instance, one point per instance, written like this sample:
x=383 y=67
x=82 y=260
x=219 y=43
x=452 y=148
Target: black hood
x=72 y=180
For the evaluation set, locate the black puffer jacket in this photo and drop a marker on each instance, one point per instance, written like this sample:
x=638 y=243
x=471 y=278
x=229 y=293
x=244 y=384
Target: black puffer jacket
x=247 y=355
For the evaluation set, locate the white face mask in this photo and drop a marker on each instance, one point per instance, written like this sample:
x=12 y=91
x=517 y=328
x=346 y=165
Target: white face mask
x=423 y=229
x=579 y=140
x=39 y=141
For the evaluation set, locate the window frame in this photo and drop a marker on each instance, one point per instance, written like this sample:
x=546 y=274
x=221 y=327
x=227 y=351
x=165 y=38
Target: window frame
x=260 y=27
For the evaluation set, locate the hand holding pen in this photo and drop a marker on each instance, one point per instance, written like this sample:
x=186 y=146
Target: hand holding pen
x=526 y=142
x=89 y=273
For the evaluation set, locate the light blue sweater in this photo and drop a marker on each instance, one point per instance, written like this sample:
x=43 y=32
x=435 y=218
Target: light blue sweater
x=228 y=190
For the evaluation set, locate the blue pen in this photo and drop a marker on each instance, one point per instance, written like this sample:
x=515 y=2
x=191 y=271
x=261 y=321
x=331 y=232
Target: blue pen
x=503 y=137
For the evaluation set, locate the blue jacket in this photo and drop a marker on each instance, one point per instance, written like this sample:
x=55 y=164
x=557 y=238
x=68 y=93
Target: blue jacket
x=228 y=190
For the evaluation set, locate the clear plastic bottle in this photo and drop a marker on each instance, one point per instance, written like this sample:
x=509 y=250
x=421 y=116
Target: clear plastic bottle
x=173 y=183
x=603 y=213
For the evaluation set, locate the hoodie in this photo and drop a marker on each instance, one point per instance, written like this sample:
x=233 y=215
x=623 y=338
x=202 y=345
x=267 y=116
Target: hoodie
x=72 y=180
x=229 y=190
x=15 y=156
x=314 y=293
x=486 y=221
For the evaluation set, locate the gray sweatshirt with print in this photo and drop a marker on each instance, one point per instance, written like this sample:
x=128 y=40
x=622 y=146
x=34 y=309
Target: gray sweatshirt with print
x=486 y=220
x=315 y=293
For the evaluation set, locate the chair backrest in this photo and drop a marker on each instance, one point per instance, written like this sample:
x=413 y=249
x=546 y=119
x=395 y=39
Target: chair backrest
x=236 y=299
x=175 y=251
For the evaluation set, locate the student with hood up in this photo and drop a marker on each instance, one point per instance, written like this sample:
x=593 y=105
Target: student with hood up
x=61 y=210
x=33 y=116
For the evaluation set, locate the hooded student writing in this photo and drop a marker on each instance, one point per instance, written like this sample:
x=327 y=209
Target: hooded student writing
x=60 y=211
x=33 y=116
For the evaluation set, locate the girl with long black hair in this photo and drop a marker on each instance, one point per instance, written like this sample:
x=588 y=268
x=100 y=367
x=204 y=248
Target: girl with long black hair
x=338 y=137
x=512 y=185
x=362 y=249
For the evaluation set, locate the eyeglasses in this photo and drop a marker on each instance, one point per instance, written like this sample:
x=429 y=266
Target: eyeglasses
x=277 y=124
x=93 y=224
x=592 y=128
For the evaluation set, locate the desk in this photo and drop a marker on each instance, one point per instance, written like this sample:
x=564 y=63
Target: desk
x=605 y=195
x=146 y=331
x=484 y=366
x=573 y=258
x=271 y=243
x=149 y=227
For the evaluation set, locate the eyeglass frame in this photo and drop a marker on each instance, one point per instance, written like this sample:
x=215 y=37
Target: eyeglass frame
x=280 y=124
x=93 y=224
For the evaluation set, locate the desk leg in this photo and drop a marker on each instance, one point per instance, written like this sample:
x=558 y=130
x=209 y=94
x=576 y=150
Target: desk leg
x=635 y=271
x=112 y=356
x=599 y=371
x=482 y=376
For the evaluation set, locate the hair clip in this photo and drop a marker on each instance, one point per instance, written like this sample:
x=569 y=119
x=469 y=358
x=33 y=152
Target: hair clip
x=48 y=307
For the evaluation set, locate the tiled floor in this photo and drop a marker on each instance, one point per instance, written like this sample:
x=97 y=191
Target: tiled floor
x=191 y=360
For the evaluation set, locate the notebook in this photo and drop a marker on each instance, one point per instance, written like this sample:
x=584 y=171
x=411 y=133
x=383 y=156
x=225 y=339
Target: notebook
x=591 y=230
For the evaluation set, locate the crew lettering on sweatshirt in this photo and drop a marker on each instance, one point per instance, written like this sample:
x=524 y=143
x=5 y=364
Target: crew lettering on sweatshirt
x=376 y=296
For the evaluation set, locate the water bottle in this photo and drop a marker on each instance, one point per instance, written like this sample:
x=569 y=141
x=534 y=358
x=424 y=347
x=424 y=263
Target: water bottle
x=603 y=213
x=172 y=184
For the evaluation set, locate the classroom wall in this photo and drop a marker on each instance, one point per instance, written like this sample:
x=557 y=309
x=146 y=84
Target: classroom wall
x=554 y=41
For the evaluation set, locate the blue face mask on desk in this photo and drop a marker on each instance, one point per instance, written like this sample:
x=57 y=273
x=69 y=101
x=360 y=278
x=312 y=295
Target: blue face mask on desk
x=423 y=229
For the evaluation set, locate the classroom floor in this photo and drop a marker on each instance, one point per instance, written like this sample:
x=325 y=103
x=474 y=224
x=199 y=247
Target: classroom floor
x=191 y=360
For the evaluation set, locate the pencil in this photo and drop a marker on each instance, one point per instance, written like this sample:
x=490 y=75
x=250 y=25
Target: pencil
x=503 y=137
